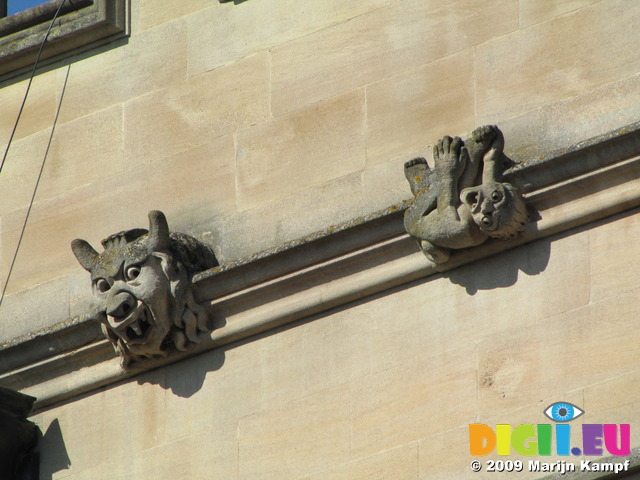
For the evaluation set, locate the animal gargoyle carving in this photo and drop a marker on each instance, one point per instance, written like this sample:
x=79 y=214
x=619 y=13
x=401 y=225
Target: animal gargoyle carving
x=142 y=288
x=462 y=201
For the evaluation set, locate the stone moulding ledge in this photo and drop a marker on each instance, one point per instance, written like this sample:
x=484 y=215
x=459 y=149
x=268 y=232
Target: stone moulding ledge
x=587 y=182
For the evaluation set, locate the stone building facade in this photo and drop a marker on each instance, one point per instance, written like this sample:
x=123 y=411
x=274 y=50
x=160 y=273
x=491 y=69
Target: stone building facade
x=275 y=133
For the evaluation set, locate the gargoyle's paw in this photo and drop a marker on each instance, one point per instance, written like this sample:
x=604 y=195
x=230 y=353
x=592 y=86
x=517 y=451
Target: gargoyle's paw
x=485 y=134
x=435 y=254
x=456 y=144
x=416 y=171
x=416 y=161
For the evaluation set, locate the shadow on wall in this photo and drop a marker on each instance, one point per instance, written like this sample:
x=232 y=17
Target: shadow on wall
x=502 y=270
x=52 y=451
x=173 y=376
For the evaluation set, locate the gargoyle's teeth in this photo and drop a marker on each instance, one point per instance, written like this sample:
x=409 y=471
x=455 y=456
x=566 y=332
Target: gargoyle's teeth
x=136 y=328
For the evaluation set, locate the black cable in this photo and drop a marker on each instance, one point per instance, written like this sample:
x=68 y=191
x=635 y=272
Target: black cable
x=46 y=153
x=33 y=73
x=35 y=189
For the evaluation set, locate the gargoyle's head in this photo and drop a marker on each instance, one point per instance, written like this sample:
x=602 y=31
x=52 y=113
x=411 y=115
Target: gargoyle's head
x=142 y=289
x=497 y=208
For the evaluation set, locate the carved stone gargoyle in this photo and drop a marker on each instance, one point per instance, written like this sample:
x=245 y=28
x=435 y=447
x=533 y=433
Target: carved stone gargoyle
x=462 y=201
x=142 y=289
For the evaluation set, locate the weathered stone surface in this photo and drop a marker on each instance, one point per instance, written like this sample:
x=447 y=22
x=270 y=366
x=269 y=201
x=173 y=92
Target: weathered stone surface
x=564 y=57
x=77 y=159
x=223 y=34
x=304 y=435
x=198 y=110
x=396 y=464
x=309 y=148
x=532 y=11
x=379 y=44
x=552 y=127
x=342 y=201
x=523 y=363
x=150 y=15
x=20 y=315
x=119 y=74
x=38 y=113
x=615 y=258
x=402 y=404
x=415 y=107
x=458 y=306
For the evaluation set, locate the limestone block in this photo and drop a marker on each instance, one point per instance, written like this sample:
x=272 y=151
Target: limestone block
x=148 y=61
x=422 y=321
x=199 y=183
x=309 y=148
x=133 y=413
x=225 y=33
x=379 y=44
x=532 y=11
x=21 y=315
x=288 y=219
x=189 y=200
x=191 y=113
x=384 y=184
x=525 y=363
x=399 y=463
x=20 y=171
x=553 y=127
x=615 y=401
x=222 y=386
x=551 y=61
x=39 y=110
x=615 y=257
x=330 y=351
x=267 y=374
x=304 y=436
x=77 y=159
x=408 y=110
x=418 y=399
x=154 y=13
x=211 y=453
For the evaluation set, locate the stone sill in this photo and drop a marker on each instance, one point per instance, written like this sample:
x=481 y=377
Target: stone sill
x=89 y=24
x=587 y=182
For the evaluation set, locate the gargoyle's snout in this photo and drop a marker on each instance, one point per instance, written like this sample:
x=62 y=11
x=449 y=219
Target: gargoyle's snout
x=120 y=305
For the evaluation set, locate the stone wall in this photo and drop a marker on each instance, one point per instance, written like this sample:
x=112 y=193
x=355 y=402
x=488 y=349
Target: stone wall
x=383 y=388
x=257 y=122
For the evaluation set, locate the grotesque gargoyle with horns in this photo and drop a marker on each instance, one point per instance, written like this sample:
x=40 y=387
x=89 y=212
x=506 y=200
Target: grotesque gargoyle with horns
x=142 y=288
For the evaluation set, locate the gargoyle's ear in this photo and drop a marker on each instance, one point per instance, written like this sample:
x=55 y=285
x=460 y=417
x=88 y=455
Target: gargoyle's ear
x=85 y=253
x=158 y=232
x=470 y=196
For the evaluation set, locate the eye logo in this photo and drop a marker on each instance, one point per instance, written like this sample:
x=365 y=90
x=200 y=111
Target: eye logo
x=563 y=412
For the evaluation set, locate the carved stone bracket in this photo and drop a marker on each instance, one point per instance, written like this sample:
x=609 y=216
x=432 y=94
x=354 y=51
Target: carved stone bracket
x=463 y=200
x=142 y=288
x=18 y=436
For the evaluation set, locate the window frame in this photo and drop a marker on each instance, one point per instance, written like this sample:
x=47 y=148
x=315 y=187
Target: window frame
x=81 y=25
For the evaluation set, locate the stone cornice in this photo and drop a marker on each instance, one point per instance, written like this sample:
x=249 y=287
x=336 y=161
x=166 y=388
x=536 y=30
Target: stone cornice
x=588 y=182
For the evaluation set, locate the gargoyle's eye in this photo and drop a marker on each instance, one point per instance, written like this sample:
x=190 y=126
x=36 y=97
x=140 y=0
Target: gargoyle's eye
x=132 y=272
x=563 y=412
x=102 y=285
x=496 y=196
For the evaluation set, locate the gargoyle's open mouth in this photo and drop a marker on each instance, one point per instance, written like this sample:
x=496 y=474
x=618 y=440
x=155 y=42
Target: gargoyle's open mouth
x=136 y=327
